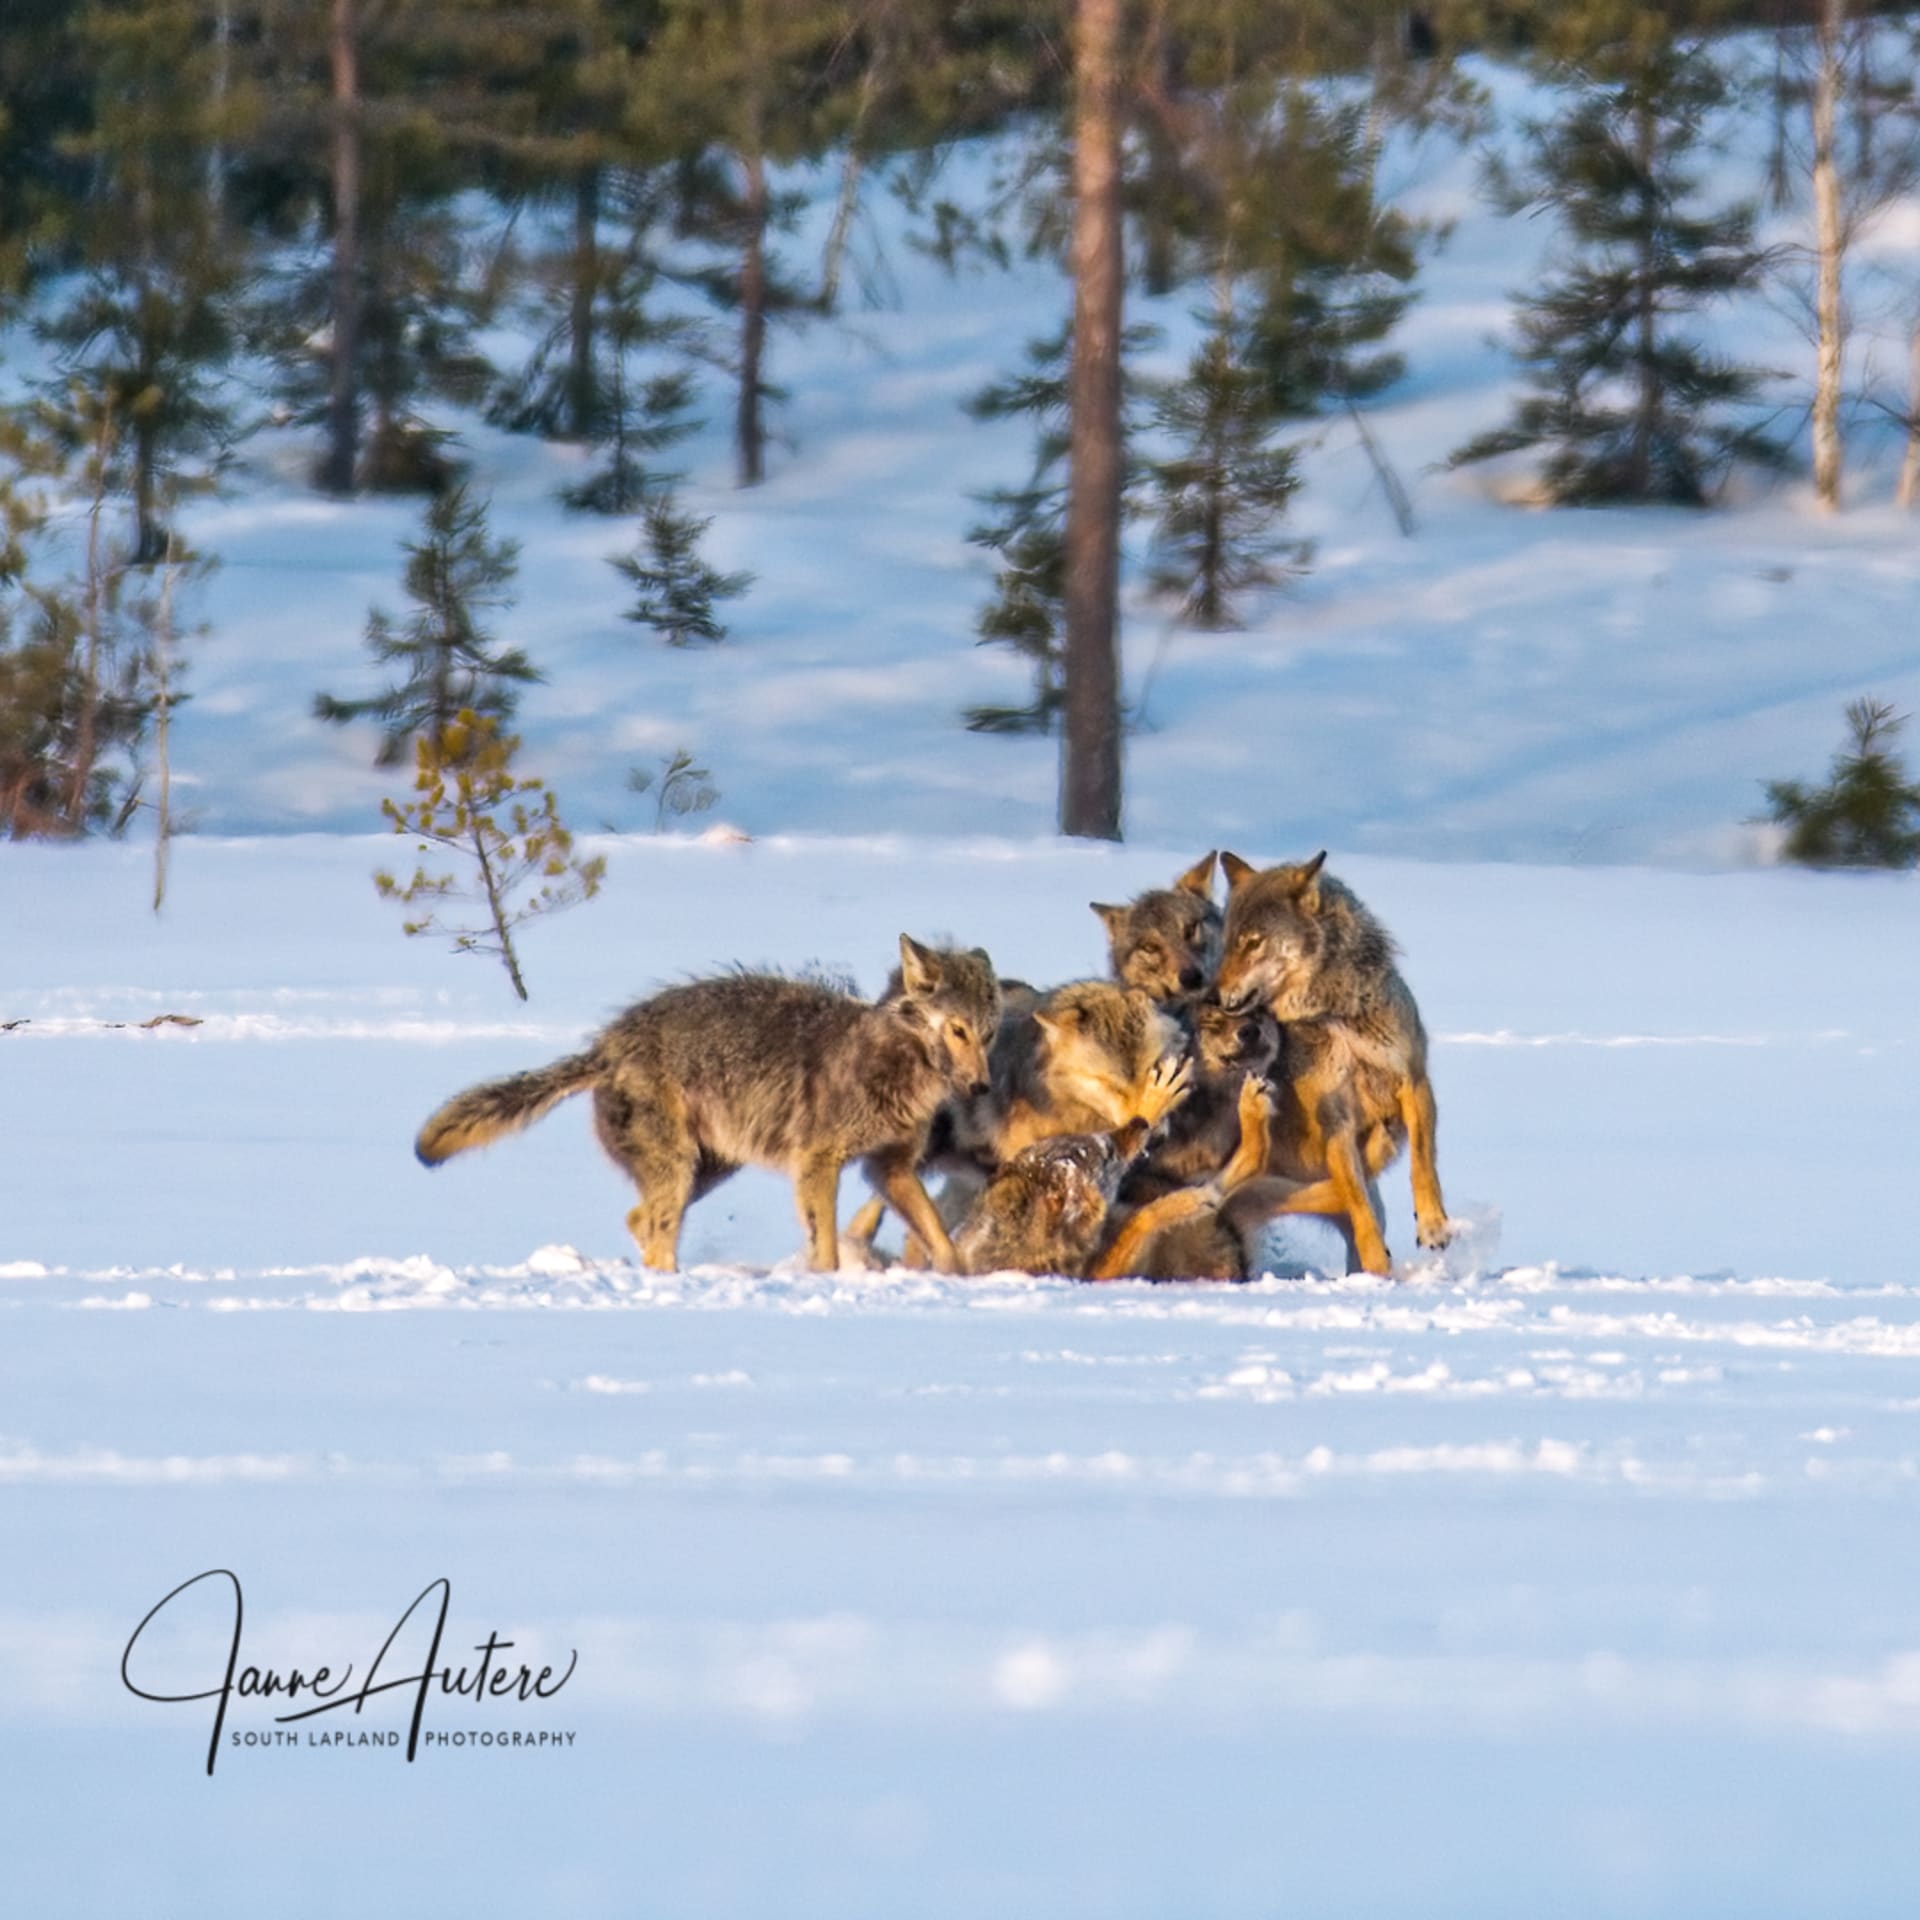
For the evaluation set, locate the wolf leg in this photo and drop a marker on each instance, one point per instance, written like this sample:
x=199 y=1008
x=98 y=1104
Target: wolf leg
x=816 y=1186
x=927 y=1232
x=1124 y=1254
x=1347 y=1174
x=1429 y=1210
x=650 y=1139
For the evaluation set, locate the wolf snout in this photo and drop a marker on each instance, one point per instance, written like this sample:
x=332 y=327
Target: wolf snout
x=1191 y=979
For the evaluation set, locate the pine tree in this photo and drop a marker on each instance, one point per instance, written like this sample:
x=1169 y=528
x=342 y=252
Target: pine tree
x=1627 y=404
x=379 y=317
x=741 y=87
x=1027 y=530
x=1226 y=487
x=516 y=855
x=148 y=324
x=448 y=660
x=1868 y=813
x=675 y=588
x=641 y=418
x=564 y=72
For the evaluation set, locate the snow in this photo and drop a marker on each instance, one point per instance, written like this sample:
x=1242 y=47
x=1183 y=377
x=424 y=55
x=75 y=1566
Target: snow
x=1568 y=1571
x=1604 y=686
x=1575 y=1558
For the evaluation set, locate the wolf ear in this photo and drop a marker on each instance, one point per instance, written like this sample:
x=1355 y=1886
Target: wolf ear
x=1112 y=918
x=919 y=966
x=1306 y=881
x=1198 y=878
x=1238 y=872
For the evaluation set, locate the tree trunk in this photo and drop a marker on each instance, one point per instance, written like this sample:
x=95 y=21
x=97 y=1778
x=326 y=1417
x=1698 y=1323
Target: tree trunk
x=1646 y=412
x=337 y=470
x=1910 y=466
x=1829 y=242
x=86 y=747
x=162 y=727
x=1090 y=742
x=582 y=413
x=496 y=908
x=750 y=433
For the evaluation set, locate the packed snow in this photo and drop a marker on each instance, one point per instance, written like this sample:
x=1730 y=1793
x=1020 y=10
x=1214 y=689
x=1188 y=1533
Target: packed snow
x=1568 y=1571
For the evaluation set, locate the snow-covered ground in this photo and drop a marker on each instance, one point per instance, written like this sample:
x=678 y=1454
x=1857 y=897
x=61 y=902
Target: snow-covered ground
x=1573 y=1573
x=1570 y=1573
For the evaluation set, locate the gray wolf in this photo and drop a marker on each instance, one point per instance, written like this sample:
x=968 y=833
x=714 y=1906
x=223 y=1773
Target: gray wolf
x=755 y=1069
x=1077 y=1060
x=1198 y=1140
x=1354 y=1076
x=1051 y=1208
x=1166 y=941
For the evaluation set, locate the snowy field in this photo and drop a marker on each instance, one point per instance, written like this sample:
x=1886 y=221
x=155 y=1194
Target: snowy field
x=1574 y=1573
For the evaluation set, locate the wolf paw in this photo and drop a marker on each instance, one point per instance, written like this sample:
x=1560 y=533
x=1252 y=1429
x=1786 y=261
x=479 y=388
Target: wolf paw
x=1167 y=1085
x=1435 y=1231
x=1256 y=1101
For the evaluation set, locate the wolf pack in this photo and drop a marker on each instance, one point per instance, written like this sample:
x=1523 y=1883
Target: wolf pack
x=1238 y=1066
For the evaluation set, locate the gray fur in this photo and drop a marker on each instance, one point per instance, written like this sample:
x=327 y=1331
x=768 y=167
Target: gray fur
x=1166 y=941
x=752 y=1069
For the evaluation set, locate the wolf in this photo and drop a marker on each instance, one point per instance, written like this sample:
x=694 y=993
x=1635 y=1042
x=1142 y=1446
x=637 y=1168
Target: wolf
x=756 y=1069
x=1051 y=1208
x=1354 y=1078
x=1077 y=1060
x=1198 y=1140
x=1166 y=941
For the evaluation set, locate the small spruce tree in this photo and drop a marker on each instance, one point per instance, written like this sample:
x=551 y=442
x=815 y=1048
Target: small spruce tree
x=456 y=573
x=1223 y=492
x=1867 y=814
x=1028 y=529
x=515 y=854
x=640 y=418
x=675 y=588
x=1628 y=406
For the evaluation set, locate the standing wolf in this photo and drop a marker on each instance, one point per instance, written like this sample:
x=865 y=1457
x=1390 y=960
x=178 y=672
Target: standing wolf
x=754 y=1069
x=1299 y=941
x=1166 y=941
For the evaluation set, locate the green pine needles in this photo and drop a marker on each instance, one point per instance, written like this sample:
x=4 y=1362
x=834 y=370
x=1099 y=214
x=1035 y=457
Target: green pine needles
x=1628 y=405
x=444 y=655
x=1868 y=812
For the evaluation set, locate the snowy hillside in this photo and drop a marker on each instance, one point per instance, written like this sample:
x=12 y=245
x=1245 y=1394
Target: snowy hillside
x=1506 y=684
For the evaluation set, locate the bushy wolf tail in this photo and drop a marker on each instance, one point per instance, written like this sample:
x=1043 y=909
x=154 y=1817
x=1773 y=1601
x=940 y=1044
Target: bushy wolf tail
x=485 y=1112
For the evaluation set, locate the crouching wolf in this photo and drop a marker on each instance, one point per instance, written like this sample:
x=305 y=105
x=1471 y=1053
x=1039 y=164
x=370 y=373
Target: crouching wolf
x=1051 y=1208
x=1300 y=943
x=753 y=1069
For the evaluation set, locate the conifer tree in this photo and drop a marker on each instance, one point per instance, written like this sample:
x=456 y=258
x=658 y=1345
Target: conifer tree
x=514 y=854
x=564 y=70
x=148 y=323
x=1867 y=814
x=639 y=419
x=1626 y=402
x=1027 y=530
x=675 y=589
x=447 y=659
x=379 y=318
x=1224 y=490
x=743 y=86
